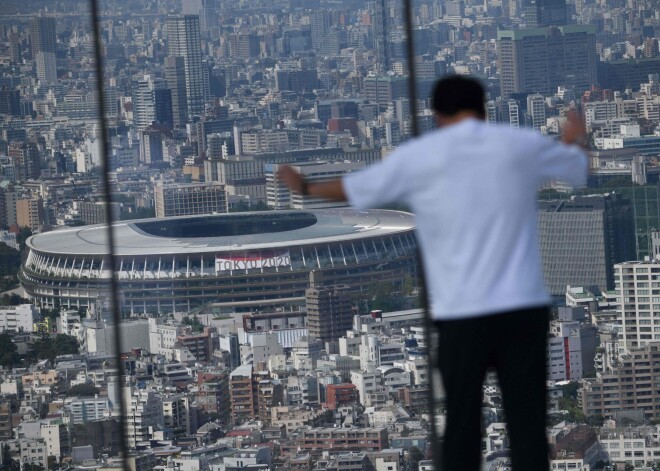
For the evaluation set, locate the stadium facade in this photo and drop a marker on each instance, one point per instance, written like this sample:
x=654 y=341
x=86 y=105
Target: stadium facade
x=230 y=262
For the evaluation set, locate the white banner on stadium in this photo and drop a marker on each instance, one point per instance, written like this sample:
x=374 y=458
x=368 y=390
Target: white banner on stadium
x=253 y=260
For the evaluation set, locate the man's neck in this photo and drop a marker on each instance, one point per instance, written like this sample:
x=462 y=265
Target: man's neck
x=444 y=121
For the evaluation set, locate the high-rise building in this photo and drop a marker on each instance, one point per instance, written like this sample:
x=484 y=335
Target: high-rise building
x=26 y=159
x=637 y=310
x=150 y=96
x=175 y=75
x=30 y=212
x=151 y=146
x=10 y=101
x=329 y=310
x=243 y=394
x=42 y=35
x=540 y=13
x=183 y=40
x=7 y=204
x=582 y=238
x=320 y=24
x=630 y=385
x=184 y=199
x=381 y=35
x=539 y=60
x=46 y=67
x=536 y=110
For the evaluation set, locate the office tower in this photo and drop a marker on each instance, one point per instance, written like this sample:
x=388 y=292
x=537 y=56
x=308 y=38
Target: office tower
x=46 y=67
x=10 y=101
x=582 y=238
x=244 y=45
x=175 y=75
x=26 y=159
x=144 y=92
x=513 y=113
x=184 y=199
x=536 y=110
x=196 y=8
x=42 y=35
x=540 y=13
x=320 y=24
x=183 y=40
x=163 y=106
x=329 y=310
x=7 y=204
x=381 y=36
x=541 y=60
x=151 y=146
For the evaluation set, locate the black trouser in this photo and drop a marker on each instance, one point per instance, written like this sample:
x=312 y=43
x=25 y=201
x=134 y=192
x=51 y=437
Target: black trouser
x=514 y=344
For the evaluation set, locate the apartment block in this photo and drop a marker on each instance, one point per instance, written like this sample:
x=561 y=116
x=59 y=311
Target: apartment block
x=628 y=386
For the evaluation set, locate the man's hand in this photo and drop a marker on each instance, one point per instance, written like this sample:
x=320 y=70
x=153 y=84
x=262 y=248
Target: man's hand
x=291 y=178
x=575 y=131
x=331 y=190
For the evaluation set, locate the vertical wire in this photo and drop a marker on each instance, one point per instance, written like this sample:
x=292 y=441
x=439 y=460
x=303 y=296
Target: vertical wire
x=107 y=195
x=424 y=295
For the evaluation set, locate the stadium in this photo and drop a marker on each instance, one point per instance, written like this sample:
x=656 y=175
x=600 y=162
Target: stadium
x=237 y=262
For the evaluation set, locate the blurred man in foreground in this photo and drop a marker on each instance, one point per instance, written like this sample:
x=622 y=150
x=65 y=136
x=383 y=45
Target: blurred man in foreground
x=473 y=189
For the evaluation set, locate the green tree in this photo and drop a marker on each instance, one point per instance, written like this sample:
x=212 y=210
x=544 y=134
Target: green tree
x=10 y=260
x=8 y=352
x=48 y=348
x=193 y=322
x=22 y=236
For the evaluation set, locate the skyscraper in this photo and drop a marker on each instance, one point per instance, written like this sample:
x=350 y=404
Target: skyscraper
x=183 y=40
x=539 y=13
x=381 y=32
x=42 y=35
x=175 y=74
x=538 y=60
x=582 y=238
x=320 y=24
x=46 y=67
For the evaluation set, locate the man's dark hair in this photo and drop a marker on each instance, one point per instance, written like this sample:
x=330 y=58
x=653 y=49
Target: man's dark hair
x=457 y=93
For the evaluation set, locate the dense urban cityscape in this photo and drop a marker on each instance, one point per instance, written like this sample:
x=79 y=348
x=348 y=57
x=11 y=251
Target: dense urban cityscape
x=266 y=330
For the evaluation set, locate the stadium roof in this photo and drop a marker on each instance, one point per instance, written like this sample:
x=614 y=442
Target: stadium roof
x=224 y=232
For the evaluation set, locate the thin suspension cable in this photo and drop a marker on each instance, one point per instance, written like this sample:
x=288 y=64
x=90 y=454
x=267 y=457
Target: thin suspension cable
x=107 y=195
x=424 y=295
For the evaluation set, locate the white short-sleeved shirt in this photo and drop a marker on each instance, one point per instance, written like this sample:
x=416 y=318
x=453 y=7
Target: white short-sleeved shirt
x=473 y=190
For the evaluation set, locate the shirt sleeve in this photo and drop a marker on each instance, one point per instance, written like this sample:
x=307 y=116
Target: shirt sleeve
x=558 y=161
x=380 y=184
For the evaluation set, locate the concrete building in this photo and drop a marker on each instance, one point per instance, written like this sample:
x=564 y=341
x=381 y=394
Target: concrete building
x=19 y=318
x=88 y=408
x=243 y=394
x=538 y=60
x=187 y=199
x=329 y=311
x=582 y=238
x=637 y=307
x=346 y=439
x=30 y=213
x=46 y=67
x=144 y=414
x=183 y=40
x=627 y=386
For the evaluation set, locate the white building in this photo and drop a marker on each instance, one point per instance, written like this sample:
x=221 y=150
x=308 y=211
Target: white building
x=88 y=408
x=145 y=412
x=162 y=337
x=636 y=282
x=19 y=318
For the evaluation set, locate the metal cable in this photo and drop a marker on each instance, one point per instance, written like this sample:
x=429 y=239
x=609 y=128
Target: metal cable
x=107 y=195
x=428 y=321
